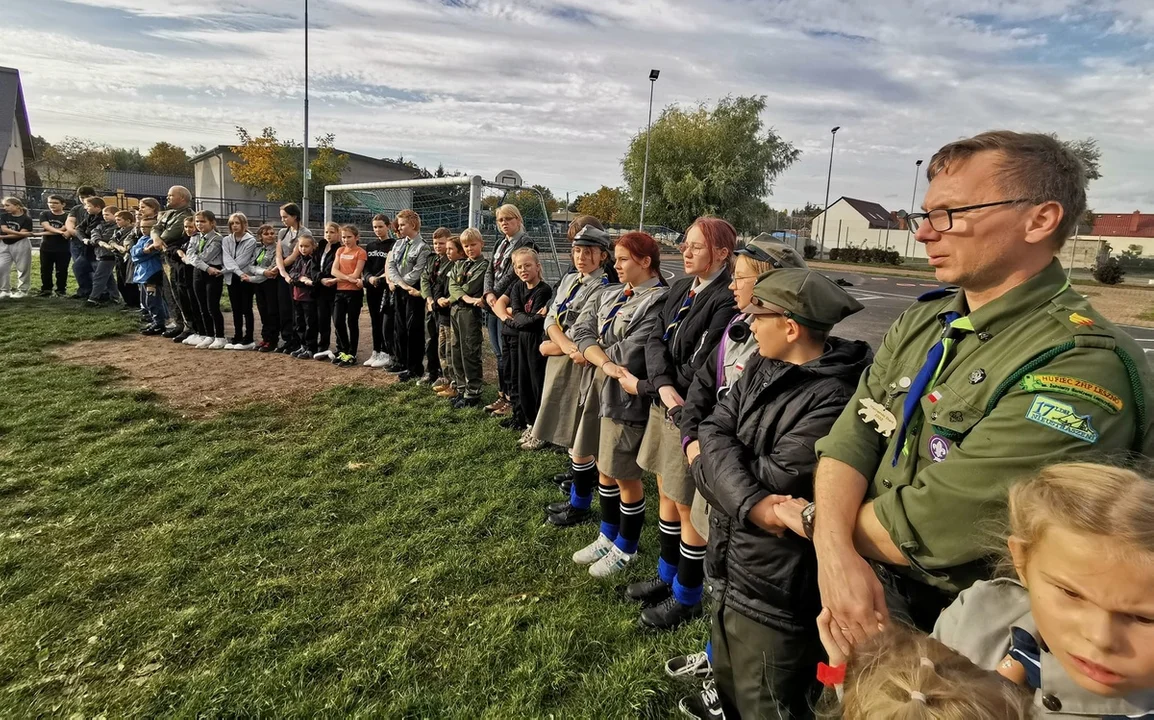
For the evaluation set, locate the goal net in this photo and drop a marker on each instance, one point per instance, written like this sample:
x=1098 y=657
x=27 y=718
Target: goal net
x=454 y=202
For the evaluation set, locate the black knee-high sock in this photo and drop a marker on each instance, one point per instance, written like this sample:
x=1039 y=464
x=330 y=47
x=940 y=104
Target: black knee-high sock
x=581 y=491
x=669 y=534
x=610 y=510
x=632 y=520
x=690 y=574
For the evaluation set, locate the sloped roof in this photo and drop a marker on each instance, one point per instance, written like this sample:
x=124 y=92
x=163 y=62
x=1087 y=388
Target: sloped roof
x=1133 y=224
x=13 y=112
x=878 y=216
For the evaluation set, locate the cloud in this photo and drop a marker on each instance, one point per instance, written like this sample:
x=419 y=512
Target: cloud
x=555 y=88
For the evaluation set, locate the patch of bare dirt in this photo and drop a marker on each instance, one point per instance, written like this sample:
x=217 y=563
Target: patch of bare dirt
x=203 y=383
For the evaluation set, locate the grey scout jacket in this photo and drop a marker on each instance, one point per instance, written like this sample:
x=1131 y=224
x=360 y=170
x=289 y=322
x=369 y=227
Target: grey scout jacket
x=408 y=259
x=564 y=311
x=263 y=259
x=207 y=250
x=979 y=624
x=238 y=254
x=500 y=275
x=623 y=341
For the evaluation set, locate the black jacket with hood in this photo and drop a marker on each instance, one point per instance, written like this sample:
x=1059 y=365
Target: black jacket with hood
x=759 y=442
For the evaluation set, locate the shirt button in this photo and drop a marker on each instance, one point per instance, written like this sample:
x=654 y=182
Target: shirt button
x=1051 y=702
x=887 y=484
x=984 y=336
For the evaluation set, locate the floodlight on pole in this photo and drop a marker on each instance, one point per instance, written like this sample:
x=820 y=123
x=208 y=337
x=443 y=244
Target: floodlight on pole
x=828 y=177
x=913 y=199
x=305 y=169
x=653 y=75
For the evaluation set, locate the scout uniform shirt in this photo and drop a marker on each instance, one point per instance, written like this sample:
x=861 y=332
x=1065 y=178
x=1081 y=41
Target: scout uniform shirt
x=467 y=277
x=1031 y=378
x=572 y=293
x=993 y=619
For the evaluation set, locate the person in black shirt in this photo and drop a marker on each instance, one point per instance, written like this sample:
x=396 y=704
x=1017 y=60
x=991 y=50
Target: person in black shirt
x=16 y=248
x=325 y=295
x=435 y=266
x=521 y=310
x=54 y=253
x=376 y=289
x=82 y=255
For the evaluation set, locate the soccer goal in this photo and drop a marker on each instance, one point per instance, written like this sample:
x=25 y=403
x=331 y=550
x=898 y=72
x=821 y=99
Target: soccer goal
x=454 y=202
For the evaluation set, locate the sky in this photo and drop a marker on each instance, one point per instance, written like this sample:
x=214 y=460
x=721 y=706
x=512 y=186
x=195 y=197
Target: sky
x=556 y=89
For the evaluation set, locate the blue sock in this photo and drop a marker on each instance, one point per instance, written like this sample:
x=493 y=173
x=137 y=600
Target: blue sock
x=684 y=595
x=609 y=531
x=666 y=571
x=709 y=651
x=581 y=503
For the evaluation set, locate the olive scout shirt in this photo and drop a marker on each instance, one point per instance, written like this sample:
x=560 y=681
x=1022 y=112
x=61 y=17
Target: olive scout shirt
x=1043 y=378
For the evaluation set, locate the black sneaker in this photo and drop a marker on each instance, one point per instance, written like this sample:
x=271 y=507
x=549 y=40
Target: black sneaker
x=395 y=369
x=404 y=376
x=668 y=614
x=569 y=516
x=173 y=332
x=648 y=592
x=512 y=423
x=466 y=402
x=705 y=705
x=152 y=330
x=77 y=296
x=45 y=293
x=182 y=337
x=694 y=665
x=565 y=487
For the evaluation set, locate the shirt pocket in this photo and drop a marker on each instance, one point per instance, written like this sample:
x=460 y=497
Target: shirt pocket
x=949 y=418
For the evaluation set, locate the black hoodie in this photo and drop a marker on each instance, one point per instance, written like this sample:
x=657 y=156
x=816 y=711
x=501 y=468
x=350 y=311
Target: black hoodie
x=759 y=442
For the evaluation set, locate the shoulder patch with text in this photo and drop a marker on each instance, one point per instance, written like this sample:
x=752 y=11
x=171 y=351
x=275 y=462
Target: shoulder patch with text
x=1075 y=387
x=1062 y=417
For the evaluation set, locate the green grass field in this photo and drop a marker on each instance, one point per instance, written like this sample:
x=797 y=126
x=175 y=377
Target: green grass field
x=372 y=553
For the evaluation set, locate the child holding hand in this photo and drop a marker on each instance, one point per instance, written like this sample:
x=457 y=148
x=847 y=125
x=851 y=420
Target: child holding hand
x=466 y=283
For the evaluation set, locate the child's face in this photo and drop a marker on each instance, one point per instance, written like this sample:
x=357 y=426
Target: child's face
x=452 y=252
x=406 y=227
x=10 y=207
x=439 y=245
x=772 y=333
x=146 y=225
x=56 y=206
x=306 y=248
x=332 y=235
x=189 y=227
x=236 y=227
x=629 y=269
x=381 y=229
x=1093 y=601
x=109 y=214
x=472 y=249
x=203 y=224
x=586 y=259
x=348 y=239
x=268 y=237
x=744 y=278
x=527 y=269
x=92 y=209
x=122 y=223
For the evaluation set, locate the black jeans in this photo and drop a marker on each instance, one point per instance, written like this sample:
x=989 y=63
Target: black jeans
x=240 y=298
x=285 y=312
x=910 y=601
x=54 y=262
x=129 y=290
x=375 y=299
x=305 y=321
x=347 y=319
x=269 y=308
x=432 y=356
x=325 y=298
x=410 y=319
x=208 y=289
x=528 y=373
x=188 y=313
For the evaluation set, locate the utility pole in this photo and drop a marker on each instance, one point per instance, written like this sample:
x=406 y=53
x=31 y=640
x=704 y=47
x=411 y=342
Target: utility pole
x=828 y=177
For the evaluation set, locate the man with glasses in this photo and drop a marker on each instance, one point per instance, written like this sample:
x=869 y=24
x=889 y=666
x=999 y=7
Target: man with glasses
x=972 y=388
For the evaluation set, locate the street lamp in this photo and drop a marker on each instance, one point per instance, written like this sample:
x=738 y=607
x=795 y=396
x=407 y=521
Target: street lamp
x=653 y=74
x=305 y=169
x=913 y=199
x=828 y=177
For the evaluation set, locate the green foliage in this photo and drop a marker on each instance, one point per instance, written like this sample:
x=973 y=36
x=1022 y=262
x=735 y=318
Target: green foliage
x=79 y=161
x=1108 y=271
x=708 y=161
x=810 y=251
x=168 y=159
x=273 y=166
x=366 y=552
x=1088 y=153
x=606 y=204
x=875 y=256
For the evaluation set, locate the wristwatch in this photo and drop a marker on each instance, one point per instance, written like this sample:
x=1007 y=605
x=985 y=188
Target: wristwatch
x=807 y=514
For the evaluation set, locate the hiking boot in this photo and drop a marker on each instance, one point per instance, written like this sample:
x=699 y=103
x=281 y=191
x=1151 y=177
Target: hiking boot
x=492 y=407
x=504 y=410
x=668 y=614
x=441 y=384
x=694 y=665
x=448 y=391
x=648 y=592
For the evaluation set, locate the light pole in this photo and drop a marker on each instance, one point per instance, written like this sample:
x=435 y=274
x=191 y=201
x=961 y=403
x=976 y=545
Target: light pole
x=828 y=177
x=305 y=169
x=913 y=199
x=648 y=126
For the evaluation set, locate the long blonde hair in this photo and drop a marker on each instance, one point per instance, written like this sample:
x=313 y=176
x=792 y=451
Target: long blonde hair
x=901 y=674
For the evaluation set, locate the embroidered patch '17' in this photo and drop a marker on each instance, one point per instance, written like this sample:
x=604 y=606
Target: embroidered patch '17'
x=1061 y=417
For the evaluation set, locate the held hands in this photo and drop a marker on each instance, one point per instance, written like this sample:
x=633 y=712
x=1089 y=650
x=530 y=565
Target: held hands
x=246 y=277
x=789 y=513
x=692 y=451
x=414 y=292
x=850 y=590
x=670 y=397
x=306 y=281
x=838 y=645
x=762 y=515
x=628 y=382
x=613 y=370
x=374 y=281
x=329 y=282
x=271 y=272
x=443 y=302
x=490 y=299
x=214 y=272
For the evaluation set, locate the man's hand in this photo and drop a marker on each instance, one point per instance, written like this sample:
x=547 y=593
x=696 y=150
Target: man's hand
x=670 y=398
x=789 y=513
x=852 y=592
x=763 y=515
x=692 y=451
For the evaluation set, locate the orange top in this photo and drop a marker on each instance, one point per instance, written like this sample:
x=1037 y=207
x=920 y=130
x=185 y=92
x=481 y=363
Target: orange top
x=346 y=262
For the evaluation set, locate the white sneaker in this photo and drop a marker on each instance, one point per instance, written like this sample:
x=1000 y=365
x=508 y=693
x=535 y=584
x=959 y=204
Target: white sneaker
x=218 y=344
x=372 y=359
x=386 y=360
x=612 y=563
x=18 y=295
x=243 y=346
x=193 y=340
x=4 y=294
x=525 y=435
x=593 y=552
x=380 y=361
x=324 y=355
x=205 y=343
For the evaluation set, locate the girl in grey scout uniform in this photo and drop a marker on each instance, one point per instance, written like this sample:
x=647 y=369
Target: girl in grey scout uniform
x=1076 y=626
x=611 y=334
x=208 y=279
x=566 y=403
x=239 y=247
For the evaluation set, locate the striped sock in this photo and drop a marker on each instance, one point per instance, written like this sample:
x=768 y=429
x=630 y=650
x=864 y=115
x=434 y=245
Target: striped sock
x=632 y=520
x=581 y=492
x=610 y=510
x=669 y=535
x=690 y=575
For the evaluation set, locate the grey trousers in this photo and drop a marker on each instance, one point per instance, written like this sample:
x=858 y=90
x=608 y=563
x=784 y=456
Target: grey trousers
x=466 y=324
x=168 y=289
x=19 y=254
x=104 y=281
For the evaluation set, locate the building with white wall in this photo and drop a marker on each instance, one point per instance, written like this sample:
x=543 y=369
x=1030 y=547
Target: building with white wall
x=858 y=223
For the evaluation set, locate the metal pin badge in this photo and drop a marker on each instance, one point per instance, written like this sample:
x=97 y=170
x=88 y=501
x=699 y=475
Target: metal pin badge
x=977 y=376
x=904 y=383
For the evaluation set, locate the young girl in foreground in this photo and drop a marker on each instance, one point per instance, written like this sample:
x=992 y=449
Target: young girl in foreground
x=1076 y=626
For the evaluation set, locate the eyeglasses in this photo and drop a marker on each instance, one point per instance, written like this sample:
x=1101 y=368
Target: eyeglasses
x=942 y=219
x=755 y=253
x=691 y=247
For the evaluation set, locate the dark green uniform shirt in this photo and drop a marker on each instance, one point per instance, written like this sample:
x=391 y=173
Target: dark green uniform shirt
x=1042 y=378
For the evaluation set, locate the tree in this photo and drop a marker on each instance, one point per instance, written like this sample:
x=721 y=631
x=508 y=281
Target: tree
x=708 y=161
x=1088 y=153
x=168 y=159
x=271 y=166
x=126 y=159
x=606 y=204
x=552 y=204
x=72 y=161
